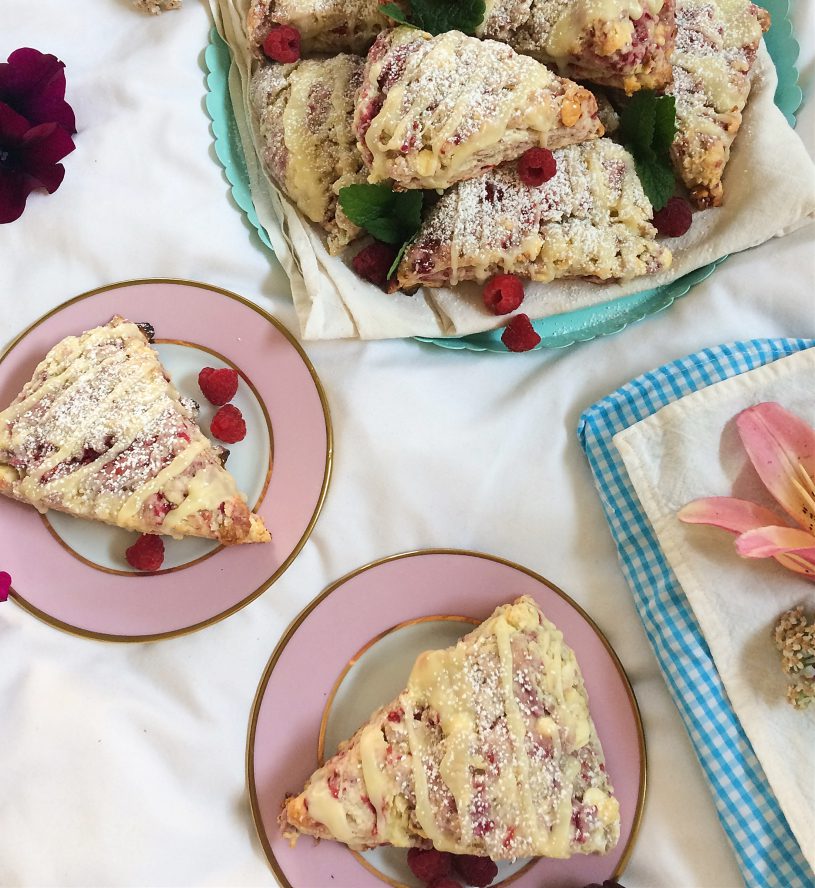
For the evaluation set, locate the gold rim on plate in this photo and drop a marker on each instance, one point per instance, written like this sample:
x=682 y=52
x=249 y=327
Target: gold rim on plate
x=312 y=605
x=175 y=633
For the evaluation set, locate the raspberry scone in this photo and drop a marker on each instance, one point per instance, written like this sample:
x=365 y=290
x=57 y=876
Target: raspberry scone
x=716 y=44
x=490 y=750
x=620 y=43
x=590 y=220
x=433 y=111
x=101 y=433
x=303 y=113
x=325 y=25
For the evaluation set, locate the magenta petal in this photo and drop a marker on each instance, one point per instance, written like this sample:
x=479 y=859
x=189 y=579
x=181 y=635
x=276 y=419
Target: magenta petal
x=14 y=191
x=46 y=144
x=33 y=83
x=42 y=147
x=728 y=513
x=13 y=126
x=47 y=176
x=780 y=445
x=5 y=585
x=768 y=542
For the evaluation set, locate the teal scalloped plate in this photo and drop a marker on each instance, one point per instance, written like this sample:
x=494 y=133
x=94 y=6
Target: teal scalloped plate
x=558 y=331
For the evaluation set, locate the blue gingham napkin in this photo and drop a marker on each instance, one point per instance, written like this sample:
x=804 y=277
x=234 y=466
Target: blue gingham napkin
x=765 y=847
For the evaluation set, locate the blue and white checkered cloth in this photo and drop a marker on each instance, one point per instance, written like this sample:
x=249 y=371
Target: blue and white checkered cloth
x=765 y=847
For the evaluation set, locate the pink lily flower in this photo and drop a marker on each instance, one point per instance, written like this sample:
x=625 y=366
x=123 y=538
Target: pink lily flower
x=781 y=447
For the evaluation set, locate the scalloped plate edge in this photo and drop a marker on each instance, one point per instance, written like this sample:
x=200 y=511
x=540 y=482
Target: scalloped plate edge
x=784 y=51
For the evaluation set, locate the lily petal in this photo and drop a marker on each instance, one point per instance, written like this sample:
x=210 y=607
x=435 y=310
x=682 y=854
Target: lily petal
x=781 y=446
x=727 y=512
x=767 y=542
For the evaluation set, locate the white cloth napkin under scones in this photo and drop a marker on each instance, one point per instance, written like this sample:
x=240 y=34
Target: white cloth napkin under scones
x=769 y=191
x=691 y=449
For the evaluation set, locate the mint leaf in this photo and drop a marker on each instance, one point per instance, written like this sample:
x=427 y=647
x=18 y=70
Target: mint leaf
x=647 y=129
x=664 y=124
x=398 y=259
x=438 y=16
x=637 y=122
x=657 y=177
x=390 y=216
x=392 y=11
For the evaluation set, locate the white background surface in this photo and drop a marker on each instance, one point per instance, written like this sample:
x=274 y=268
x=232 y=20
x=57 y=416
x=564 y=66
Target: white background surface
x=124 y=765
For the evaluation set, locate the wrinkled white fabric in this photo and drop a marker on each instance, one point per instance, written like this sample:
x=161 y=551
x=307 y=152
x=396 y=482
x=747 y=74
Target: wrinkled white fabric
x=690 y=449
x=764 y=199
x=124 y=765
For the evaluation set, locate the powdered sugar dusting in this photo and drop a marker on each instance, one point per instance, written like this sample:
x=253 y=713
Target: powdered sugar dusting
x=591 y=219
x=433 y=111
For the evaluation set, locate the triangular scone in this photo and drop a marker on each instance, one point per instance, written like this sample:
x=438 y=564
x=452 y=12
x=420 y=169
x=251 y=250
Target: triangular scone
x=433 y=111
x=716 y=44
x=303 y=113
x=614 y=43
x=490 y=750
x=100 y=432
x=591 y=220
x=325 y=25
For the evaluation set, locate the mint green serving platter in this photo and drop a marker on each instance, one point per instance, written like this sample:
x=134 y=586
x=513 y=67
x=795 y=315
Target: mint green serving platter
x=557 y=331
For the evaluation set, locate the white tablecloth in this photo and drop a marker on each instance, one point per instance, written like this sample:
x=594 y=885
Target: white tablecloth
x=124 y=765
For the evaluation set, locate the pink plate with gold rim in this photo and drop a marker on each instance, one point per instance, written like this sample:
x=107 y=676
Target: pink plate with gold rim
x=73 y=574
x=351 y=651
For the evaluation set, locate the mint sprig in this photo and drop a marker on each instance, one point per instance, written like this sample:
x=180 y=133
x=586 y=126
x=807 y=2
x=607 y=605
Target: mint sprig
x=438 y=16
x=647 y=128
x=390 y=216
x=392 y=11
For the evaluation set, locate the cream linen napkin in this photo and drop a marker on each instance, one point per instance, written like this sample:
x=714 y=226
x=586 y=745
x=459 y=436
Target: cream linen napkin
x=764 y=199
x=690 y=449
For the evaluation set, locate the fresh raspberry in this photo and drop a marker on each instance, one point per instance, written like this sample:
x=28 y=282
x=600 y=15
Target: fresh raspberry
x=228 y=425
x=519 y=335
x=478 y=871
x=5 y=585
x=444 y=883
x=282 y=44
x=674 y=219
x=536 y=166
x=147 y=553
x=503 y=293
x=374 y=261
x=428 y=864
x=218 y=386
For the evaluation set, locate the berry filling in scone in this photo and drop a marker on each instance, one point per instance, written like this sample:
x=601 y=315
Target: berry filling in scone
x=433 y=111
x=590 y=220
x=101 y=433
x=490 y=751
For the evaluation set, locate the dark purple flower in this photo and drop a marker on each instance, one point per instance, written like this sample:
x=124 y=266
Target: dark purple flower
x=33 y=84
x=28 y=160
x=5 y=585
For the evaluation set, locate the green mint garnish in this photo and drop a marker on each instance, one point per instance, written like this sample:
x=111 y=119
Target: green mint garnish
x=390 y=216
x=398 y=259
x=438 y=16
x=391 y=10
x=647 y=128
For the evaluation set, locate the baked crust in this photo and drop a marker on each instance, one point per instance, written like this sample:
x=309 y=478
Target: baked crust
x=100 y=432
x=303 y=113
x=490 y=750
x=591 y=220
x=716 y=46
x=325 y=26
x=433 y=111
x=613 y=43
